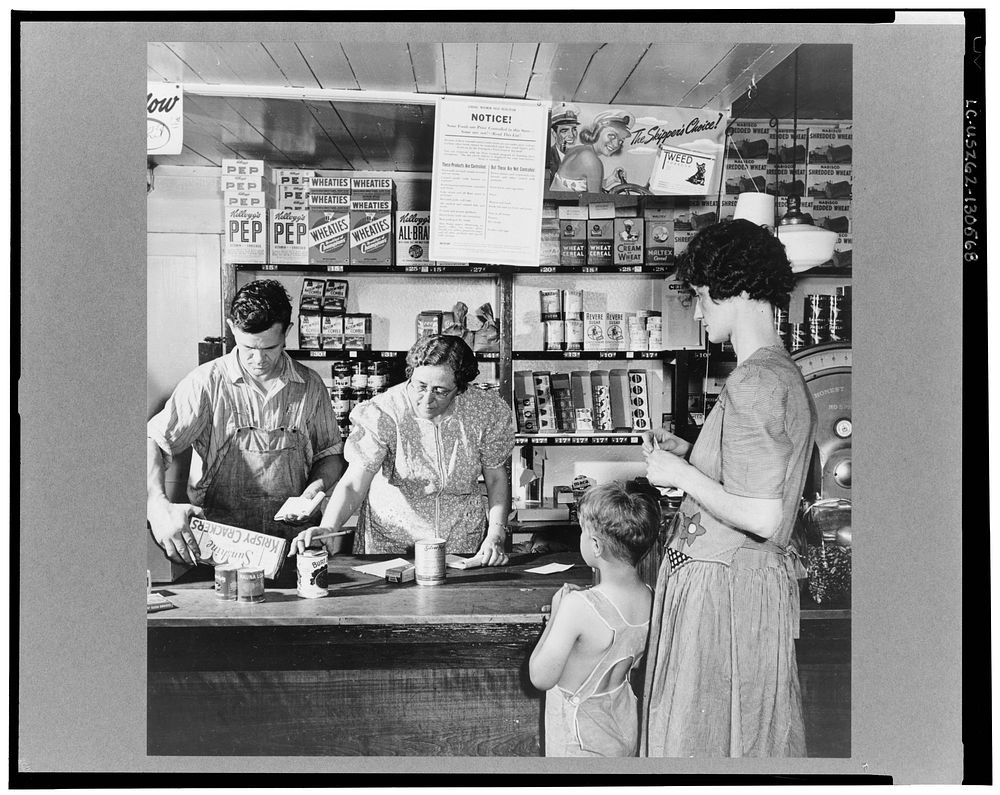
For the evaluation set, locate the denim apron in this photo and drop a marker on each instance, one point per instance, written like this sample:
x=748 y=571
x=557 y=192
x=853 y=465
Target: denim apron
x=259 y=468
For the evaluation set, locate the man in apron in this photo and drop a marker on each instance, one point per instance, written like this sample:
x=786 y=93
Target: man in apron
x=262 y=424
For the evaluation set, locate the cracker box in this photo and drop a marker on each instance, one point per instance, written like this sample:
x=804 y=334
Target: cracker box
x=289 y=237
x=371 y=230
x=659 y=224
x=572 y=236
x=639 y=400
x=628 y=241
x=332 y=332
x=543 y=397
x=245 y=238
x=328 y=237
x=256 y=199
x=413 y=237
x=594 y=331
x=600 y=233
x=583 y=400
x=621 y=405
x=562 y=400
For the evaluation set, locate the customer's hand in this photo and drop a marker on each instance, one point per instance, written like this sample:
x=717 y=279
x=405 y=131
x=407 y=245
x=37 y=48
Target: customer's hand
x=308 y=538
x=665 y=469
x=662 y=439
x=491 y=551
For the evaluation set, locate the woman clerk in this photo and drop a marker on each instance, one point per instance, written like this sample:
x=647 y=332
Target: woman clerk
x=415 y=454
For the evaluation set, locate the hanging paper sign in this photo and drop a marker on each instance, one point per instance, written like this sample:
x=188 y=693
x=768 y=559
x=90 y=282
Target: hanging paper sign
x=164 y=118
x=620 y=149
x=681 y=171
x=489 y=178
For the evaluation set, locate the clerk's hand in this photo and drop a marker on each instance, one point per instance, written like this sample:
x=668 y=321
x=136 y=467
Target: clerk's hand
x=170 y=523
x=306 y=538
x=662 y=439
x=301 y=517
x=491 y=551
x=665 y=469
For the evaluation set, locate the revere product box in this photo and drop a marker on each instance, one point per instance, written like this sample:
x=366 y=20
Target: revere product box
x=371 y=230
x=681 y=329
x=328 y=237
x=255 y=199
x=288 y=237
x=600 y=233
x=413 y=237
x=245 y=236
x=600 y=387
x=659 y=224
x=525 y=404
x=628 y=241
x=621 y=405
x=573 y=236
x=614 y=331
x=594 y=337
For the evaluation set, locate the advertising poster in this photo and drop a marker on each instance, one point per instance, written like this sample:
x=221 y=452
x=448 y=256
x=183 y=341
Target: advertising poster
x=635 y=149
x=835 y=215
x=164 y=118
x=831 y=143
x=489 y=178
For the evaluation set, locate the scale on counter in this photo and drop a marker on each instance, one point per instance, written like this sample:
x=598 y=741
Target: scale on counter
x=827 y=371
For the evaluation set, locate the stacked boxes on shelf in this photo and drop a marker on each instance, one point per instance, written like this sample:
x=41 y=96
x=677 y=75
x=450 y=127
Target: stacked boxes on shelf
x=568 y=327
x=245 y=206
x=581 y=401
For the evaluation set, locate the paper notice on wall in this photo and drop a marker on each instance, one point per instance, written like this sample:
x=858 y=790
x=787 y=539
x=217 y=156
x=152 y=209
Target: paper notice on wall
x=489 y=178
x=164 y=118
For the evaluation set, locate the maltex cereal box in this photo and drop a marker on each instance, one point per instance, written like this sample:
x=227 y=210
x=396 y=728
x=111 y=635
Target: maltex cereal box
x=413 y=237
x=659 y=224
x=245 y=238
x=289 y=237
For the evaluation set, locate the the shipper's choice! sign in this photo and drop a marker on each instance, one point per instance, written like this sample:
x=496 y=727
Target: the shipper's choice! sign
x=164 y=118
x=223 y=543
x=489 y=178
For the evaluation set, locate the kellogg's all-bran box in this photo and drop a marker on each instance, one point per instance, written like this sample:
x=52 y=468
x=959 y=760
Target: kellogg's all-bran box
x=371 y=221
x=289 y=237
x=413 y=237
x=245 y=237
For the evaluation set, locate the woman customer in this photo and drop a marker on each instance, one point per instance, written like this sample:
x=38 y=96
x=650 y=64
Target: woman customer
x=721 y=676
x=581 y=169
x=415 y=454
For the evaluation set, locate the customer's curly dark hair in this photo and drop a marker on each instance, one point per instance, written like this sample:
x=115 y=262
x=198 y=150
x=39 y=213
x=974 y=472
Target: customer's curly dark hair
x=736 y=255
x=445 y=350
x=259 y=305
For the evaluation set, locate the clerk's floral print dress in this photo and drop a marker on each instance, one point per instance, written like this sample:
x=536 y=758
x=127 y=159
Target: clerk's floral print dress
x=721 y=675
x=426 y=471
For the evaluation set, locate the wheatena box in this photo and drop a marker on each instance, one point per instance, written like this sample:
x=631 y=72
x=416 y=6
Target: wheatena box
x=328 y=237
x=371 y=229
x=246 y=235
x=289 y=237
x=413 y=237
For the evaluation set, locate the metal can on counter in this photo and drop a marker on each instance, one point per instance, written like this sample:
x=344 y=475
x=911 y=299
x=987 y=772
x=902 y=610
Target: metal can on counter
x=378 y=376
x=429 y=561
x=310 y=567
x=225 y=581
x=341 y=375
x=250 y=584
x=342 y=399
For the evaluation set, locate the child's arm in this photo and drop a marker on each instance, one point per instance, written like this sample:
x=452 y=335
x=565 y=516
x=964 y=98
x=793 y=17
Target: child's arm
x=547 y=661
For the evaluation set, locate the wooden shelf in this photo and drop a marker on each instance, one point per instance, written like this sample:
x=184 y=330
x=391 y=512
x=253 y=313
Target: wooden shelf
x=584 y=439
x=372 y=355
x=382 y=270
x=576 y=355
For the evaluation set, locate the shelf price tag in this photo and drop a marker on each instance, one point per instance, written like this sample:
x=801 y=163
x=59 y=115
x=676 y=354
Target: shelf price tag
x=571 y=354
x=607 y=354
x=269 y=267
x=352 y=354
x=317 y=354
x=335 y=268
x=547 y=269
x=588 y=269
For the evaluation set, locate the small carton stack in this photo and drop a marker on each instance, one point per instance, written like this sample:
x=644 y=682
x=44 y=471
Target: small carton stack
x=245 y=211
x=291 y=188
x=329 y=220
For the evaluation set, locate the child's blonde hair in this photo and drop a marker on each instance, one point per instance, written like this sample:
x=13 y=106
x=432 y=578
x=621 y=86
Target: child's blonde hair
x=628 y=520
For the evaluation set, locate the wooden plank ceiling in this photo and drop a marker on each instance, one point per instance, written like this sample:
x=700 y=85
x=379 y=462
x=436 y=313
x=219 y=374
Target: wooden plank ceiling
x=320 y=134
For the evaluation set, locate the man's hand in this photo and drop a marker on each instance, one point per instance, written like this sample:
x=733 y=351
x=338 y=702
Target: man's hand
x=304 y=507
x=171 y=526
x=662 y=439
x=491 y=551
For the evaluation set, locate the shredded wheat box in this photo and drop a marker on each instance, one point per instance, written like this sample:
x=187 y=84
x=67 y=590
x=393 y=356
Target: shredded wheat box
x=289 y=237
x=413 y=237
x=328 y=237
x=246 y=235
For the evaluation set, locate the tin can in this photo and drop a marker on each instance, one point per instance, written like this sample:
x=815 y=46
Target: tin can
x=429 y=561
x=225 y=581
x=342 y=399
x=341 y=375
x=250 y=584
x=310 y=568
x=359 y=376
x=378 y=376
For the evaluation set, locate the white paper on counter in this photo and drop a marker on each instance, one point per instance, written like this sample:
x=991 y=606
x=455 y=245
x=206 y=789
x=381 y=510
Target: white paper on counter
x=379 y=569
x=298 y=506
x=456 y=562
x=550 y=568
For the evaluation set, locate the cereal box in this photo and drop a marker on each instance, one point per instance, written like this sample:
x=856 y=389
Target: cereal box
x=600 y=233
x=289 y=237
x=328 y=237
x=246 y=235
x=371 y=230
x=413 y=237
x=659 y=225
x=628 y=241
x=573 y=236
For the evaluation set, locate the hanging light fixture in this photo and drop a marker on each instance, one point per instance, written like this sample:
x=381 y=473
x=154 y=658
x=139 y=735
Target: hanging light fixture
x=806 y=245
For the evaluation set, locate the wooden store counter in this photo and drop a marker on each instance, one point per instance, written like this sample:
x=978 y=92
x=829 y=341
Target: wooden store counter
x=379 y=669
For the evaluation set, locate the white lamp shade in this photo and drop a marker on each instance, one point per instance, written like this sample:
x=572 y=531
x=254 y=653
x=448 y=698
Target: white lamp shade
x=806 y=246
x=755 y=207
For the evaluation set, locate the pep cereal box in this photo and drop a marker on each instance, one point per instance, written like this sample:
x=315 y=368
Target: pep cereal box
x=245 y=239
x=289 y=237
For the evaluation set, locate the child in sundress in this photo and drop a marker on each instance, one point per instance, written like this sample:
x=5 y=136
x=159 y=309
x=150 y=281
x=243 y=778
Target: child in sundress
x=596 y=637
